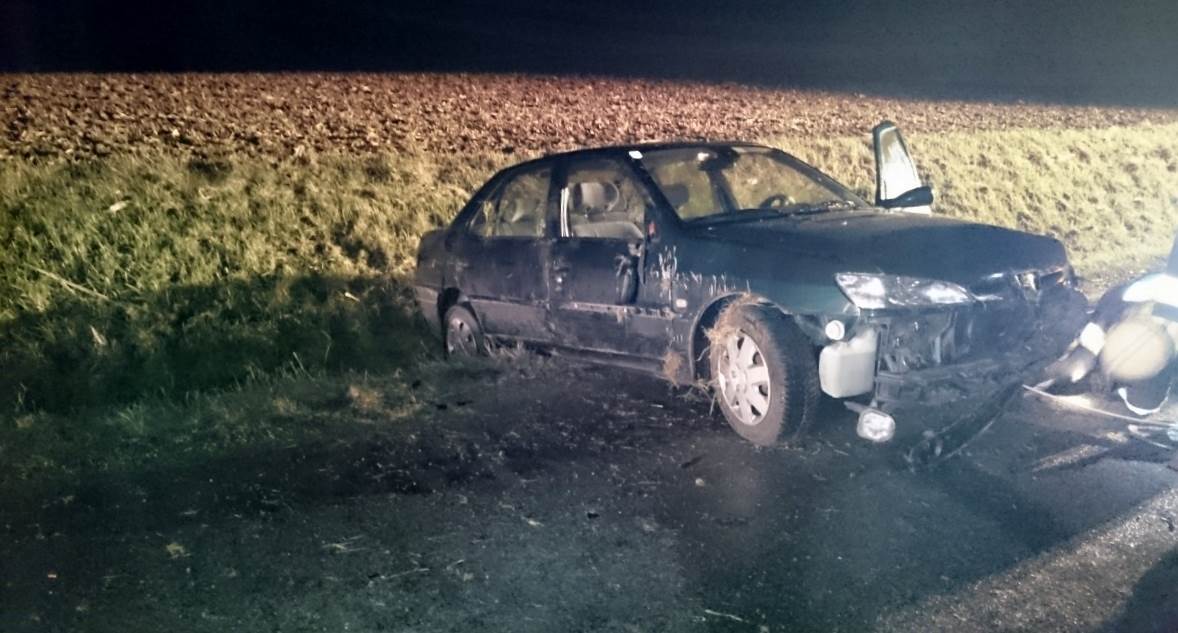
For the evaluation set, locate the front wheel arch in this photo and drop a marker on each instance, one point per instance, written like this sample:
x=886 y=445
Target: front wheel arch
x=706 y=319
x=788 y=381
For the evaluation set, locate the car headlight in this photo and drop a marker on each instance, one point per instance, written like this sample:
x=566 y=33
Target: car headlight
x=876 y=292
x=1159 y=288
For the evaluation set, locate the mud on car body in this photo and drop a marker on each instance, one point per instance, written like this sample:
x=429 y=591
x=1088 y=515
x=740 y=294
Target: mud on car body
x=740 y=266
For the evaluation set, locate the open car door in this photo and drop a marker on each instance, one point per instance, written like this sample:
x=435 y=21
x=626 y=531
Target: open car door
x=897 y=183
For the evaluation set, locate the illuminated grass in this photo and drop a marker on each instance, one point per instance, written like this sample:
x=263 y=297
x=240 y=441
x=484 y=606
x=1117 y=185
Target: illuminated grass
x=133 y=277
x=1110 y=194
x=131 y=286
x=157 y=276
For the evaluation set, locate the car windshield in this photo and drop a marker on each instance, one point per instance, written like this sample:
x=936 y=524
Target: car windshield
x=711 y=183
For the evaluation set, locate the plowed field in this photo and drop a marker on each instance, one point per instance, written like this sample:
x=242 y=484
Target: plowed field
x=50 y=116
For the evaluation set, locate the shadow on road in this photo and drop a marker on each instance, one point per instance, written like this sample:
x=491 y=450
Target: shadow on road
x=1153 y=606
x=557 y=467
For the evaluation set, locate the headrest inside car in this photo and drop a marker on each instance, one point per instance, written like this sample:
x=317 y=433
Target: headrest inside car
x=594 y=197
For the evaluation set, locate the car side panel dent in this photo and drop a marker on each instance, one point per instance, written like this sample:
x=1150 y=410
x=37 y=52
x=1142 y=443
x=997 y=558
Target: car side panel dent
x=695 y=297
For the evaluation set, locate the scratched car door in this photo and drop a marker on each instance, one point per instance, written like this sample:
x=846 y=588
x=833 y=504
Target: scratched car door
x=593 y=274
x=502 y=254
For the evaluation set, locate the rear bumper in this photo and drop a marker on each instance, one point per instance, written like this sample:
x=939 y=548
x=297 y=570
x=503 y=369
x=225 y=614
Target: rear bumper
x=427 y=302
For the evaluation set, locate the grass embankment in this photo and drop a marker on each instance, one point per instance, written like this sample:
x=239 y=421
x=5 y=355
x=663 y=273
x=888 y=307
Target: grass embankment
x=1111 y=194
x=133 y=289
x=131 y=285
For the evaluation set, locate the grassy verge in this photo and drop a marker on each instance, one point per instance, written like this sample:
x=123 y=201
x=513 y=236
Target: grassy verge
x=136 y=277
x=131 y=287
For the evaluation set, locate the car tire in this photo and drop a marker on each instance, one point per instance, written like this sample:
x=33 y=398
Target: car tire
x=763 y=412
x=462 y=335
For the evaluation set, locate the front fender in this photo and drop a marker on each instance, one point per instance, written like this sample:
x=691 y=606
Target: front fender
x=809 y=310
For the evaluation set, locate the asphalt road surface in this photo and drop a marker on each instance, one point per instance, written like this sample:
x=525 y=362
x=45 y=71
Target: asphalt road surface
x=572 y=498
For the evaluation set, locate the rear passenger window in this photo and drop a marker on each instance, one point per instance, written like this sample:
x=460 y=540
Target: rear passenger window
x=517 y=208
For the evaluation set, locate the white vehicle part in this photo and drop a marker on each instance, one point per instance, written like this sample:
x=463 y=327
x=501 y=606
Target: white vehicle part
x=1136 y=349
x=875 y=426
x=1092 y=338
x=1124 y=394
x=1159 y=287
x=847 y=368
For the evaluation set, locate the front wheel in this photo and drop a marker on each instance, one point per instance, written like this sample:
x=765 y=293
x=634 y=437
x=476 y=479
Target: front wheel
x=763 y=373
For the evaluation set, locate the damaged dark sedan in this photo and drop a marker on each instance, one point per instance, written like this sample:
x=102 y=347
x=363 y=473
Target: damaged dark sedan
x=739 y=266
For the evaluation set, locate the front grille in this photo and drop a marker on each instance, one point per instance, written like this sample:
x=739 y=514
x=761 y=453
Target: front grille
x=1018 y=322
x=1002 y=320
x=959 y=335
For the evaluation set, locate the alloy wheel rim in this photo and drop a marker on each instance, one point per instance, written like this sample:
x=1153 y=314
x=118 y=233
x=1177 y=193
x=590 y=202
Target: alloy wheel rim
x=744 y=379
x=459 y=337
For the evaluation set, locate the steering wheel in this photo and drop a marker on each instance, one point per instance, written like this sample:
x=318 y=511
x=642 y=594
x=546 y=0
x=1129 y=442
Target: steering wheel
x=776 y=201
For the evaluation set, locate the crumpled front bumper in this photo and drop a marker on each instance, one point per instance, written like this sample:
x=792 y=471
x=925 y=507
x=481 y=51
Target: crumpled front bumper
x=942 y=385
x=989 y=349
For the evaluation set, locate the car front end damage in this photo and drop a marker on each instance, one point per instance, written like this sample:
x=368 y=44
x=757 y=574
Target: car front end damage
x=916 y=359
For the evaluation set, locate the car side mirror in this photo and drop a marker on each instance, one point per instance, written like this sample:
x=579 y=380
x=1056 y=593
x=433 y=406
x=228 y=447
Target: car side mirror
x=918 y=197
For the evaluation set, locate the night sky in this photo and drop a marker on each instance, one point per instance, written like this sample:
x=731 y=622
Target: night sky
x=1083 y=50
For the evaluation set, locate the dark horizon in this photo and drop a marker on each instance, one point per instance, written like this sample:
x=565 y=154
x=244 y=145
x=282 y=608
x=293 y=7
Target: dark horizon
x=1082 y=51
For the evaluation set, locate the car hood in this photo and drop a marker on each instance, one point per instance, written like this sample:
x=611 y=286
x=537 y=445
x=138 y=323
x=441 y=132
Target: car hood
x=890 y=242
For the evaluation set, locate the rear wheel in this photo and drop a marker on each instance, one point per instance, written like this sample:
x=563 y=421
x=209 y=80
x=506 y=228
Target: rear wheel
x=763 y=374
x=462 y=335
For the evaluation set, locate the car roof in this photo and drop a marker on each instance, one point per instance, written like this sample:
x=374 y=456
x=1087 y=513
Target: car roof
x=641 y=147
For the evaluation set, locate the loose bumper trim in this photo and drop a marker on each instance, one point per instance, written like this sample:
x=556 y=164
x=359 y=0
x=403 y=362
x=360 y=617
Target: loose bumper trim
x=942 y=385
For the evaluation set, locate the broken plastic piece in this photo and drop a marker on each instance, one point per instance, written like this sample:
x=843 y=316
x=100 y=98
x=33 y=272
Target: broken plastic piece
x=875 y=426
x=1092 y=338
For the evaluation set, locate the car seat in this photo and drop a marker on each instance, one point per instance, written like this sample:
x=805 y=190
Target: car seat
x=594 y=212
x=519 y=220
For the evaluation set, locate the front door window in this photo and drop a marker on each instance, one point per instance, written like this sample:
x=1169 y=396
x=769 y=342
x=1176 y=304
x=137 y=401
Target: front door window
x=602 y=199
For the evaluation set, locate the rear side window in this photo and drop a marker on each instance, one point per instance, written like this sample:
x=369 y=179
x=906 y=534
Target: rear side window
x=517 y=208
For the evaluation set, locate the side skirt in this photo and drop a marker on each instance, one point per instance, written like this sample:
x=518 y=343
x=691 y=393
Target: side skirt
x=651 y=366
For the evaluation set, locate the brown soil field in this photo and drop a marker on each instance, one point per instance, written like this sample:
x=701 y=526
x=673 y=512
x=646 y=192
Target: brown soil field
x=46 y=117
